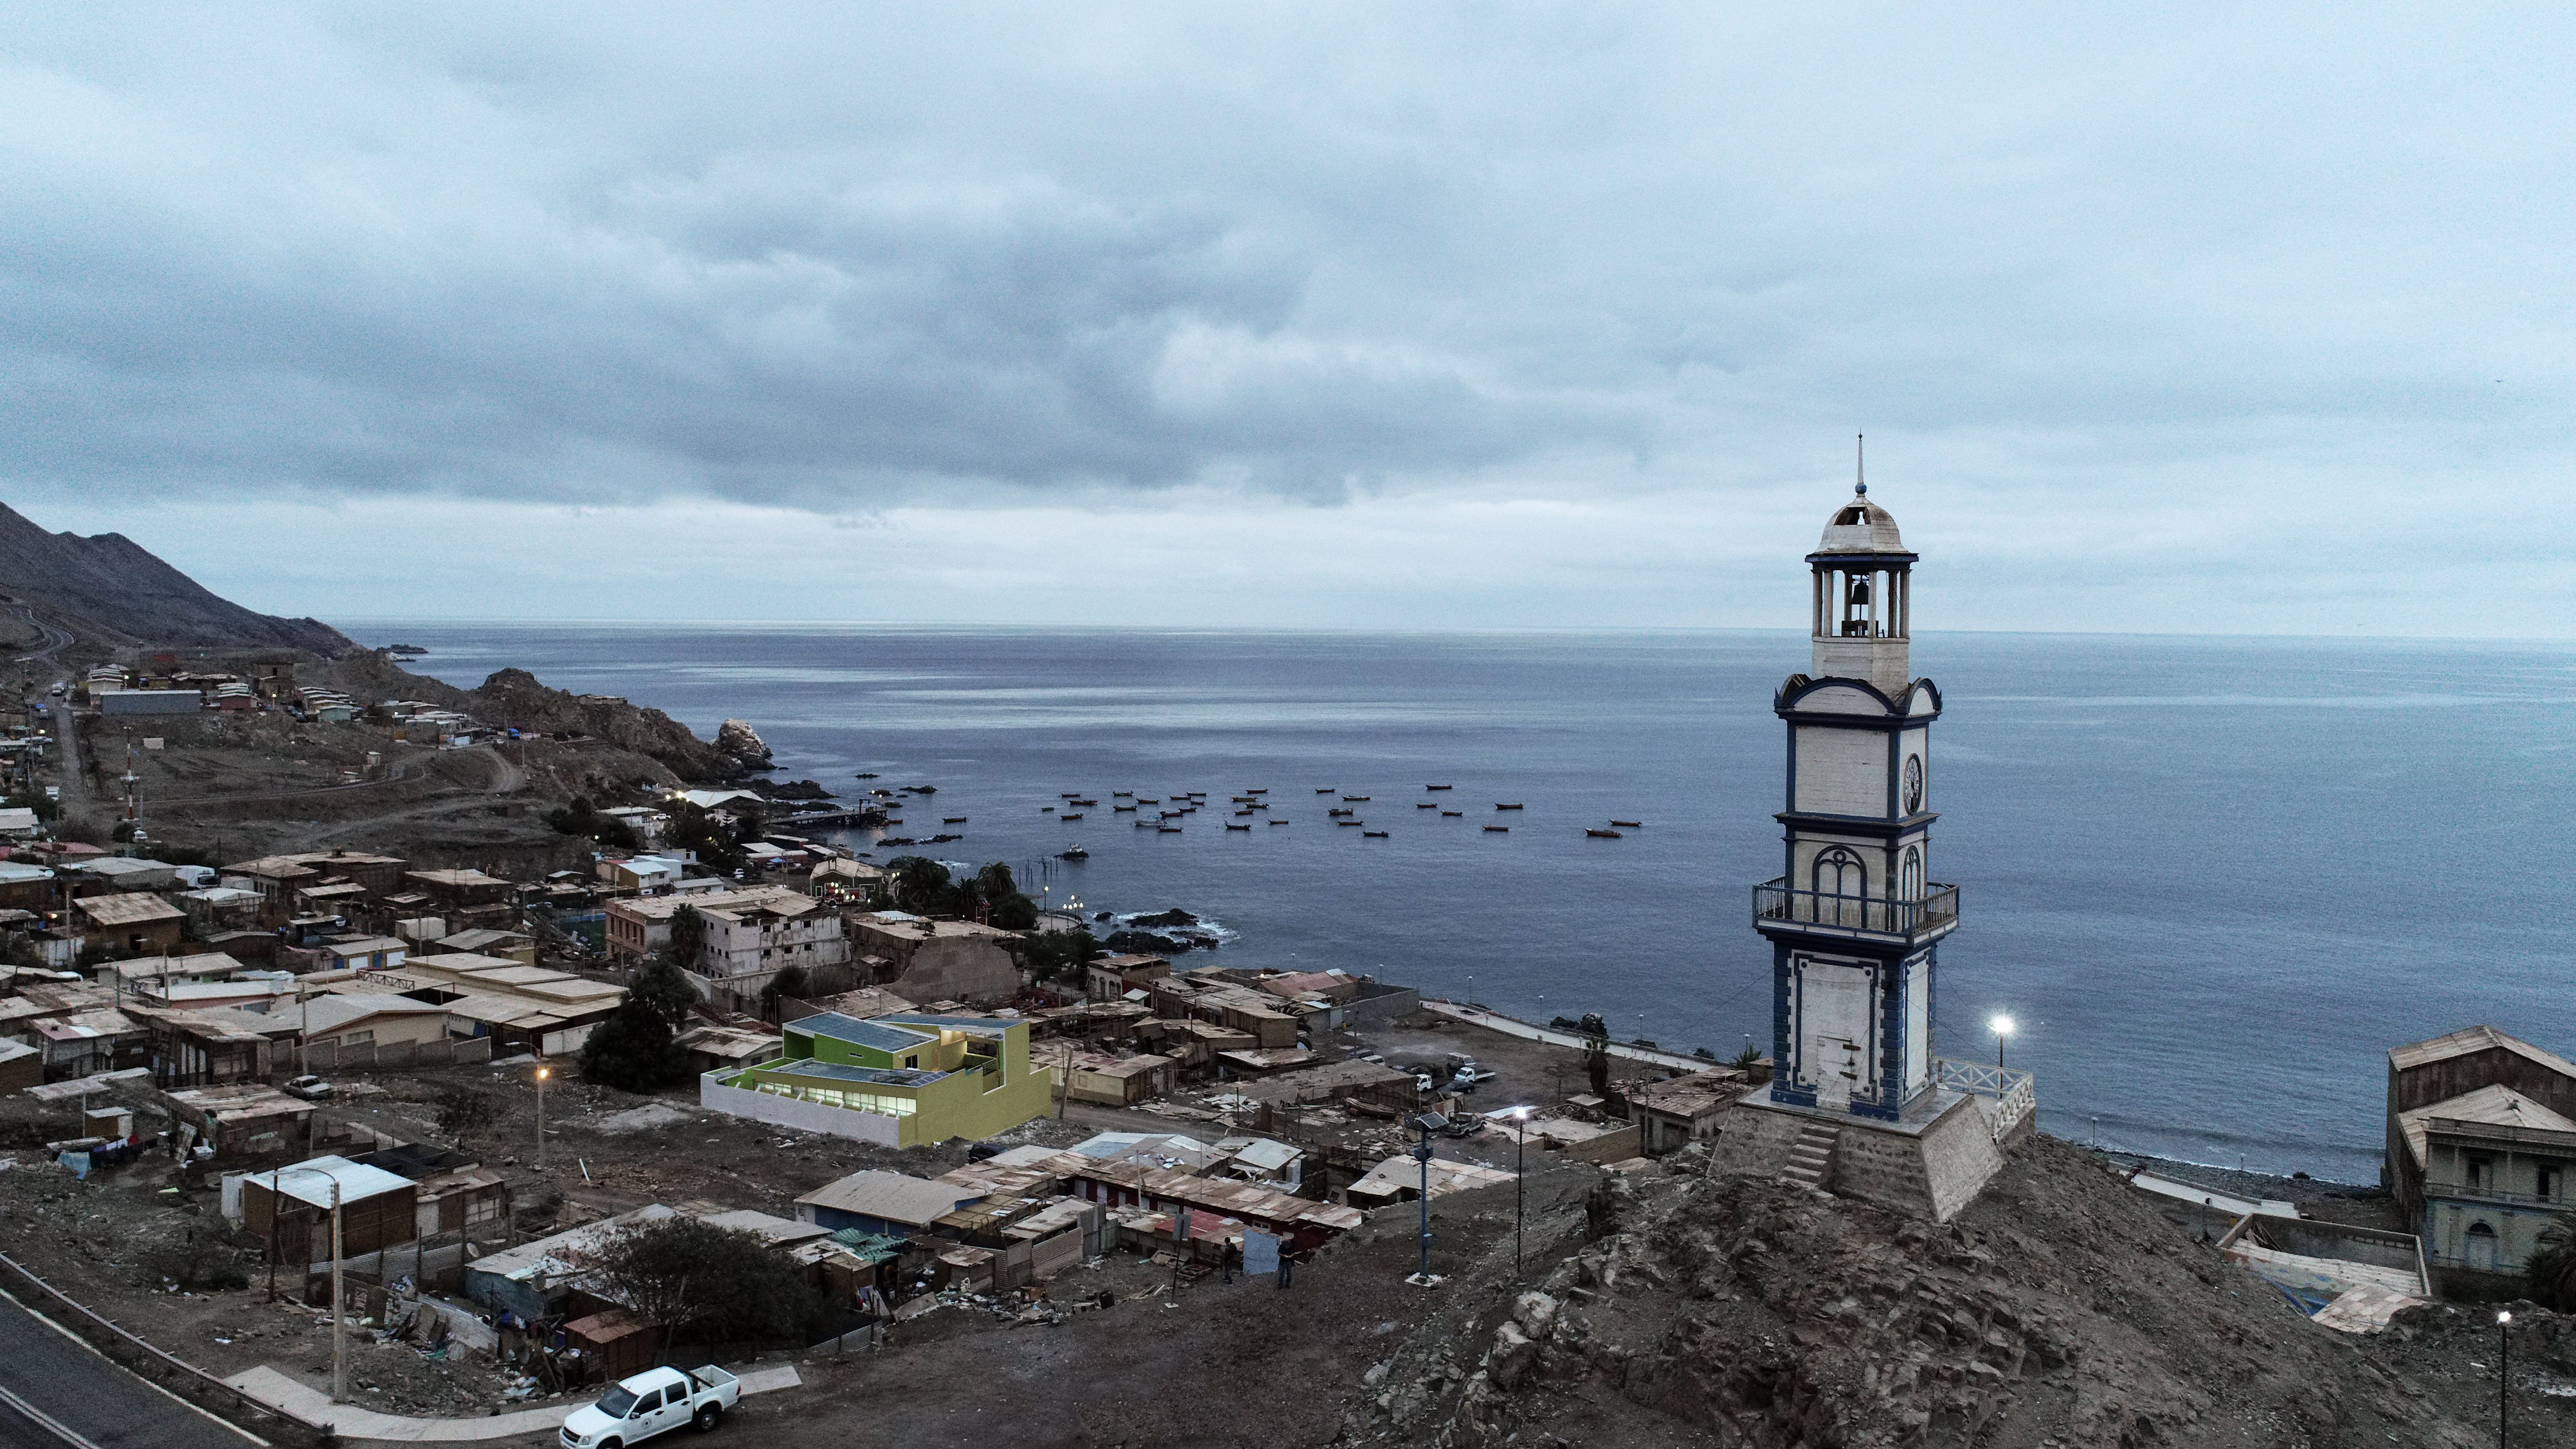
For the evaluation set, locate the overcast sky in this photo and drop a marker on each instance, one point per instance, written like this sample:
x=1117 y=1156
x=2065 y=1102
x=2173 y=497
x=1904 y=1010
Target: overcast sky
x=2248 y=320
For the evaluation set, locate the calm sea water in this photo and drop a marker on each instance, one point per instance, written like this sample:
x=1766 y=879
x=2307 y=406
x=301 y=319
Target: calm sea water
x=2214 y=879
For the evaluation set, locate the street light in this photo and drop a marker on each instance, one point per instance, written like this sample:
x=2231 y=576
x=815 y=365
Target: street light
x=339 y=1319
x=2504 y=1368
x=1520 y=1166
x=1426 y=1124
x=542 y=1074
x=2002 y=1027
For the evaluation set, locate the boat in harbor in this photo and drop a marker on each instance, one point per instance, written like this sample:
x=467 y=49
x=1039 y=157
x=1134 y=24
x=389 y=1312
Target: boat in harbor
x=1339 y=811
x=1239 y=814
x=1076 y=853
x=1076 y=815
x=952 y=820
x=1426 y=804
x=1498 y=830
x=1168 y=829
x=1238 y=827
x=1373 y=835
x=1122 y=809
x=1347 y=799
x=1046 y=810
x=1142 y=800
x=1278 y=822
x=1350 y=822
x=1604 y=834
x=1122 y=794
x=1507 y=807
x=1439 y=787
x=867 y=774
x=1629 y=824
x=1256 y=792
x=1327 y=790
x=1453 y=814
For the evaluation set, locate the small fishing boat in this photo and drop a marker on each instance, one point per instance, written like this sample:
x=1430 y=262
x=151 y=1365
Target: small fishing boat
x=1439 y=787
x=923 y=789
x=1239 y=814
x=1168 y=829
x=952 y=820
x=1144 y=824
x=1075 y=815
x=1046 y=810
x=1142 y=800
x=1498 y=830
x=1426 y=804
x=1350 y=822
x=1256 y=792
x=867 y=774
x=1242 y=799
x=1122 y=809
x=1629 y=824
x=1238 y=827
x=1604 y=834
x=1347 y=799
x=1077 y=853
x=1327 y=790
x=1453 y=814
x=1338 y=811
x=1065 y=795
x=1122 y=794
x=1507 y=807
x=1372 y=835
x=1278 y=822
x=1086 y=802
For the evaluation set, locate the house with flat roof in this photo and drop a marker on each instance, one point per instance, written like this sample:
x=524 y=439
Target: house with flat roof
x=911 y=1078
x=522 y=1008
x=640 y=927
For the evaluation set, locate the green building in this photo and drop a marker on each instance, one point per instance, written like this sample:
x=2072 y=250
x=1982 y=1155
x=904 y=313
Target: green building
x=905 y=1080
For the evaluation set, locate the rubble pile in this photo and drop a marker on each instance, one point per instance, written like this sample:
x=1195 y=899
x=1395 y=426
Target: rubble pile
x=2055 y=1311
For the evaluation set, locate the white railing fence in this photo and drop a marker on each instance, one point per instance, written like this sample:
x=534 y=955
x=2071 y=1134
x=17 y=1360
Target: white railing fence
x=2015 y=1094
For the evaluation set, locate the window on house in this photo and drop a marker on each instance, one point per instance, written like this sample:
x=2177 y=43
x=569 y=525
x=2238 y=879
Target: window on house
x=2481 y=1173
x=2480 y=1247
x=2546 y=1184
x=358 y=1038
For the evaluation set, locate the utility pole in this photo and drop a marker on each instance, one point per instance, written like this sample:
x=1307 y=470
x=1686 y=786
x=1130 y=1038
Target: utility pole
x=542 y=1074
x=1520 y=1172
x=1426 y=1124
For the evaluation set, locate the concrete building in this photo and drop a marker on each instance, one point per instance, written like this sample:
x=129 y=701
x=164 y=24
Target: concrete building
x=760 y=938
x=1860 y=1098
x=2481 y=1144
x=937 y=960
x=1674 y=1114
x=641 y=927
x=909 y=1079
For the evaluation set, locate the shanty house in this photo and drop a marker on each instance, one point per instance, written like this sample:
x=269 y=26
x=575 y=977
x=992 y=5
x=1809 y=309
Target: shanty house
x=288 y=1209
x=128 y=924
x=887 y=1203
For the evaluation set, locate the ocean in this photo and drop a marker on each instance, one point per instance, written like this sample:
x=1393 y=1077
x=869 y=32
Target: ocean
x=2213 y=879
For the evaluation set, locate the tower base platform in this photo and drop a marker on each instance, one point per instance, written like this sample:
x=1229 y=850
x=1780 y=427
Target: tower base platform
x=1930 y=1163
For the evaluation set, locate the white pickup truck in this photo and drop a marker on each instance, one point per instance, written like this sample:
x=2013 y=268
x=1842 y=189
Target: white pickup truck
x=653 y=1402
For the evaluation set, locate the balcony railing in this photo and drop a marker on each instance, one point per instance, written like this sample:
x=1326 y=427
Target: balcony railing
x=1778 y=903
x=2015 y=1094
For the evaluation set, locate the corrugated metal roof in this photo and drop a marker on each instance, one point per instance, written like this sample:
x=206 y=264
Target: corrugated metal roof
x=310 y=1181
x=2473 y=1039
x=891 y=1196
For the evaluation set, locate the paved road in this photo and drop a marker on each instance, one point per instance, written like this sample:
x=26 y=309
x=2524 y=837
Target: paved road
x=55 y=638
x=78 y=1388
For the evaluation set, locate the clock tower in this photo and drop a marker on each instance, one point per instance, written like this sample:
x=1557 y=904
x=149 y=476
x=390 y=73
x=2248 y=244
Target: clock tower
x=1858 y=1101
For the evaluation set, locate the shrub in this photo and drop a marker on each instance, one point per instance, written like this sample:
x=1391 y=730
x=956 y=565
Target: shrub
x=715 y=1284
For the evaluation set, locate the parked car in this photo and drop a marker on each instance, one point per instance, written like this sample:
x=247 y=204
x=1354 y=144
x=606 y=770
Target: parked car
x=650 y=1404
x=311 y=1089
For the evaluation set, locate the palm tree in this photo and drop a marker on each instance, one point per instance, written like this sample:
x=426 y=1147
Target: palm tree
x=2550 y=1274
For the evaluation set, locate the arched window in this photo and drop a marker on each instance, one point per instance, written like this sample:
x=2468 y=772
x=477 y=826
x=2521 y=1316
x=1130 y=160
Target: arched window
x=2481 y=1247
x=1909 y=874
x=1840 y=880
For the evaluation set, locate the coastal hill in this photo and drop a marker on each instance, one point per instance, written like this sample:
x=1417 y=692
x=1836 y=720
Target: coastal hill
x=111 y=590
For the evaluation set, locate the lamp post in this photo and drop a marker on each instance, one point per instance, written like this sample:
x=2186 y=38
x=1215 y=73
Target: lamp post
x=542 y=1074
x=2504 y=1368
x=2002 y=1027
x=339 y=1319
x=1426 y=1124
x=1520 y=1166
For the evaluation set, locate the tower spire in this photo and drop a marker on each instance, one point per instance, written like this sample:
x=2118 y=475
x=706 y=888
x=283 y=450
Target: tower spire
x=1860 y=464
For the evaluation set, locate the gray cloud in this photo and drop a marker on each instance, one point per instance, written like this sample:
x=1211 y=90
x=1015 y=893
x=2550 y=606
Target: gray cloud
x=834 y=258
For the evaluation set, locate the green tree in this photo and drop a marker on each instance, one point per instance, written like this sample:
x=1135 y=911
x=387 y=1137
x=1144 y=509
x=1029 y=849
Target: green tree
x=633 y=1050
x=1052 y=954
x=2551 y=1272
x=688 y=937
x=921 y=885
x=663 y=990
x=693 y=829
x=1013 y=912
x=995 y=881
x=712 y=1284
x=789 y=982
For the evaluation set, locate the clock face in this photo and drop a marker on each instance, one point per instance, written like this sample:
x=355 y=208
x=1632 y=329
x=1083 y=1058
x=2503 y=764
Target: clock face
x=1913 y=784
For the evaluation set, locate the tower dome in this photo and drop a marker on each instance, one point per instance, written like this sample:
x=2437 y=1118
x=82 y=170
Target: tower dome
x=1861 y=527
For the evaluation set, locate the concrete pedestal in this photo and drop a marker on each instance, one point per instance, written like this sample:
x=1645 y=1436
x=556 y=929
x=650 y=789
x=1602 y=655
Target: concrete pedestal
x=1929 y=1165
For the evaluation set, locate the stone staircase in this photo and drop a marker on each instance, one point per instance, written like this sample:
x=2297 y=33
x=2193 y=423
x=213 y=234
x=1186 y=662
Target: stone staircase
x=1811 y=1158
